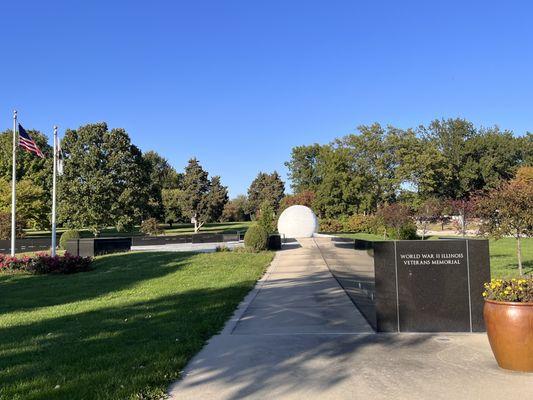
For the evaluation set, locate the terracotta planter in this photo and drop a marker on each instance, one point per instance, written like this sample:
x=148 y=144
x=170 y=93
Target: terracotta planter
x=510 y=330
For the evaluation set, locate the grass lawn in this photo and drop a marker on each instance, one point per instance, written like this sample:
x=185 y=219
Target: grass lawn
x=121 y=331
x=503 y=263
x=177 y=229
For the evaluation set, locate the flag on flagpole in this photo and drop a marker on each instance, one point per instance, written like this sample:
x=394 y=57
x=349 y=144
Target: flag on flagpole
x=27 y=143
x=60 y=158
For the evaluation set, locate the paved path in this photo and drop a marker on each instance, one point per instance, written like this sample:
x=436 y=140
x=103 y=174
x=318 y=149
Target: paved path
x=298 y=336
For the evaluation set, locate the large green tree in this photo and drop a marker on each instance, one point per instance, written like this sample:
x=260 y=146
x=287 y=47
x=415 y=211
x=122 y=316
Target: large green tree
x=472 y=159
x=161 y=176
x=303 y=168
x=447 y=159
x=32 y=207
x=35 y=171
x=265 y=188
x=203 y=199
x=172 y=200
x=105 y=179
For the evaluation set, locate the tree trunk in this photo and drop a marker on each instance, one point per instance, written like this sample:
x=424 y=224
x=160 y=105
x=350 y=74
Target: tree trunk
x=463 y=223
x=519 y=254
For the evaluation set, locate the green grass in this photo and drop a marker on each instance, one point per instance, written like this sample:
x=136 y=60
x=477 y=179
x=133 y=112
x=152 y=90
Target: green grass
x=121 y=331
x=503 y=262
x=177 y=229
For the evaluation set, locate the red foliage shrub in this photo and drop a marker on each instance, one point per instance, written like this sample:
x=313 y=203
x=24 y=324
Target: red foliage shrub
x=45 y=264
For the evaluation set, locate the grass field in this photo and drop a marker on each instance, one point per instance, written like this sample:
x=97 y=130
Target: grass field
x=177 y=229
x=503 y=263
x=121 y=331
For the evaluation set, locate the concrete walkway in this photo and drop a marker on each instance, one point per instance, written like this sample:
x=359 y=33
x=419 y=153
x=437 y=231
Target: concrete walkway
x=298 y=336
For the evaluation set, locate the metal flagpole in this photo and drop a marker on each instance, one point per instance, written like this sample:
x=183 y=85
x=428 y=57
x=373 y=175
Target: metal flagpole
x=53 y=249
x=13 y=185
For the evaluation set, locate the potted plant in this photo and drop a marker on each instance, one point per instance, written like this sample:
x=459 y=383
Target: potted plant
x=508 y=314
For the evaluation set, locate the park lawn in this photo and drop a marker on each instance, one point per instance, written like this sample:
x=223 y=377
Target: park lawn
x=121 y=331
x=177 y=229
x=503 y=262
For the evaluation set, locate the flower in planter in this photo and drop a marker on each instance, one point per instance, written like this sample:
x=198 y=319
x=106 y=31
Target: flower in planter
x=516 y=290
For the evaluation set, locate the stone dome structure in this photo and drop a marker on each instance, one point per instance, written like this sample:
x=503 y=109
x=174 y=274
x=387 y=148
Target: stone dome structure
x=297 y=222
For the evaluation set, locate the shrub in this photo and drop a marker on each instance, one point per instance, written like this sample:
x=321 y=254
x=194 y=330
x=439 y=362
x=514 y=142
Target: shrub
x=266 y=218
x=331 y=225
x=518 y=290
x=407 y=232
x=45 y=264
x=66 y=236
x=150 y=226
x=360 y=223
x=256 y=238
x=396 y=222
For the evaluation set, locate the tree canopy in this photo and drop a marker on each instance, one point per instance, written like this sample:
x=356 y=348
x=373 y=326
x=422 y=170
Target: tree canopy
x=104 y=181
x=265 y=188
x=447 y=159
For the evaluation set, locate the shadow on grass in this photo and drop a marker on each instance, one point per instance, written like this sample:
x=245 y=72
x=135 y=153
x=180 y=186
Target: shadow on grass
x=115 y=352
x=110 y=273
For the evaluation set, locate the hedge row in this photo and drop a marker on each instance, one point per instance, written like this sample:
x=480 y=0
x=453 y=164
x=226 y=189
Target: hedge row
x=373 y=224
x=45 y=264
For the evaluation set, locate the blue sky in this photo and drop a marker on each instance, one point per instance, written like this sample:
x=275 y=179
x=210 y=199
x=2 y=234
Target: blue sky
x=239 y=83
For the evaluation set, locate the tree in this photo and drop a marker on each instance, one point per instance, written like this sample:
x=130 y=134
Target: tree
x=105 y=181
x=161 y=176
x=32 y=207
x=475 y=159
x=217 y=198
x=397 y=220
x=35 y=171
x=506 y=211
x=5 y=226
x=203 y=200
x=304 y=198
x=303 y=167
x=465 y=208
x=430 y=211
x=265 y=187
x=172 y=205
x=235 y=210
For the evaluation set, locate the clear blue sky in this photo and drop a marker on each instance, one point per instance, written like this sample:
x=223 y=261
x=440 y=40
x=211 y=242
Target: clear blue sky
x=238 y=84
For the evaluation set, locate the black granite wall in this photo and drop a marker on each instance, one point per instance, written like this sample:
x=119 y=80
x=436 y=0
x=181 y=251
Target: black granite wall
x=422 y=285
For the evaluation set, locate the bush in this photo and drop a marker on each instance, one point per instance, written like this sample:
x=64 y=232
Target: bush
x=150 y=226
x=407 y=232
x=45 y=264
x=360 y=223
x=66 y=236
x=256 y=238
x=331 y=225
x=266 y=218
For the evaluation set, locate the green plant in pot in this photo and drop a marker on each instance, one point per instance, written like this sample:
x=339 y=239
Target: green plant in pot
x=508 y=314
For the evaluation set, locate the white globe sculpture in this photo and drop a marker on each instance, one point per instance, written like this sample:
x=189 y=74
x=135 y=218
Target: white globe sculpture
x=297 y=222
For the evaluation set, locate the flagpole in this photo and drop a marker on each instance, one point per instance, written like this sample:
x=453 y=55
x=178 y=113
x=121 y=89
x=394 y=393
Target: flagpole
x=53 y=249
x=13 y=186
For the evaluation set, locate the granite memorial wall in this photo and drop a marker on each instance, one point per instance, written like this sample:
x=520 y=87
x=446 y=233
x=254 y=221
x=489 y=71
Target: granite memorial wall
x=419 y=285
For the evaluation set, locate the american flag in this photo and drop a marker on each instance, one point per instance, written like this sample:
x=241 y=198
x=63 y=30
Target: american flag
x=27 y=143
